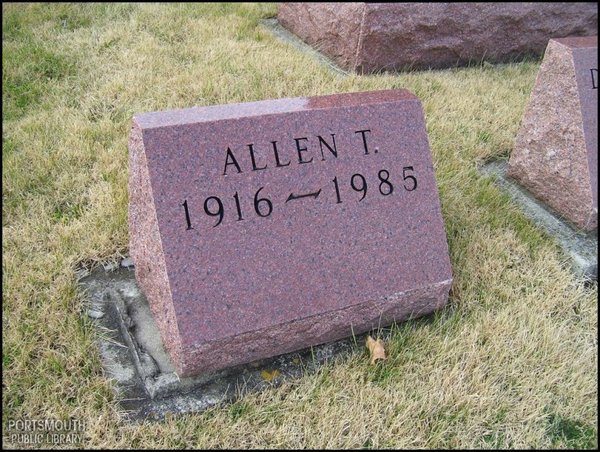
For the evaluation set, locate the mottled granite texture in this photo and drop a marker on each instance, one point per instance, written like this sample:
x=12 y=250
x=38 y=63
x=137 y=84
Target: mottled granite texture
x=555 y=155
x=370 y=37
x=320 y=264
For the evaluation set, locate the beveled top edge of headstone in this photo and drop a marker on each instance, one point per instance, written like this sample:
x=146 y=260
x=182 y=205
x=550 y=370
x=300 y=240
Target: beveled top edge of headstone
x=268 y=107
x=578 y=42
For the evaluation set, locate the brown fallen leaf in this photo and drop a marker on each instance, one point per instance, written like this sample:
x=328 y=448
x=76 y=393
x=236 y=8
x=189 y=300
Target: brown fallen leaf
x=376 y=349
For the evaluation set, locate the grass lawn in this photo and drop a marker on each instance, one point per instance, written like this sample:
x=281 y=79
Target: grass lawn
x=510 y=362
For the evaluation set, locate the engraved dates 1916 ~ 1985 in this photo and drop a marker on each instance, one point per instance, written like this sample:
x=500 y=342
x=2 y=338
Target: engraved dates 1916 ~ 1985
x=384 y=183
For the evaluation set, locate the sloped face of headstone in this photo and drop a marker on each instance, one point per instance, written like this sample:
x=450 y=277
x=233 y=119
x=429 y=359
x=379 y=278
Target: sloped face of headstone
x=556 y=151
x=263 y=228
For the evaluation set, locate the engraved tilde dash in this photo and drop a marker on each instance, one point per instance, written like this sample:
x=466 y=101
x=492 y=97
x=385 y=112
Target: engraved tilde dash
x=293 y=196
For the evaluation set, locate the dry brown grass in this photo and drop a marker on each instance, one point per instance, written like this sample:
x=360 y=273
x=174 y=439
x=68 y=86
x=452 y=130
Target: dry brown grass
x=511 y=362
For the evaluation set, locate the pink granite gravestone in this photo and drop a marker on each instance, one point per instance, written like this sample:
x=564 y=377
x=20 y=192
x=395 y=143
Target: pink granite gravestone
x=556 y=150
x=262 y=228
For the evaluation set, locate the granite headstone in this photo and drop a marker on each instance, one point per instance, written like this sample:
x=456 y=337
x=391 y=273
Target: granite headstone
x=371 y=37
x=555 y=155
x=262 y=228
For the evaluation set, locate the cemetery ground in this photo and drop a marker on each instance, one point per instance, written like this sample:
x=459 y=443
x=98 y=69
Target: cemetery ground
x=511 y=361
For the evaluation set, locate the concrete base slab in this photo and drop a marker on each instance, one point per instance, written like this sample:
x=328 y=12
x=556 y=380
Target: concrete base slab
x=146 y=382
x=281 y=33
x=580 y=246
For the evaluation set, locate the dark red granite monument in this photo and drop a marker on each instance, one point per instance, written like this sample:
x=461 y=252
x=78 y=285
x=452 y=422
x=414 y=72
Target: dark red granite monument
x=266 y=227
x=556 y=150
x=371 y=37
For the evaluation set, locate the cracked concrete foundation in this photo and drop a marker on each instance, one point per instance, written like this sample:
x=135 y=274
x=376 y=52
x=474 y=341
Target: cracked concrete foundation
x=146 y=383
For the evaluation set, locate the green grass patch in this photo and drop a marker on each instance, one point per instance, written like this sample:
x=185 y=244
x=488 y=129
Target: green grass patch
x=28 y=72
x=571 y=434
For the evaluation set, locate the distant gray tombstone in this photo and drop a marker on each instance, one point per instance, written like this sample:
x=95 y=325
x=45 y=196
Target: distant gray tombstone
x=555 y=155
